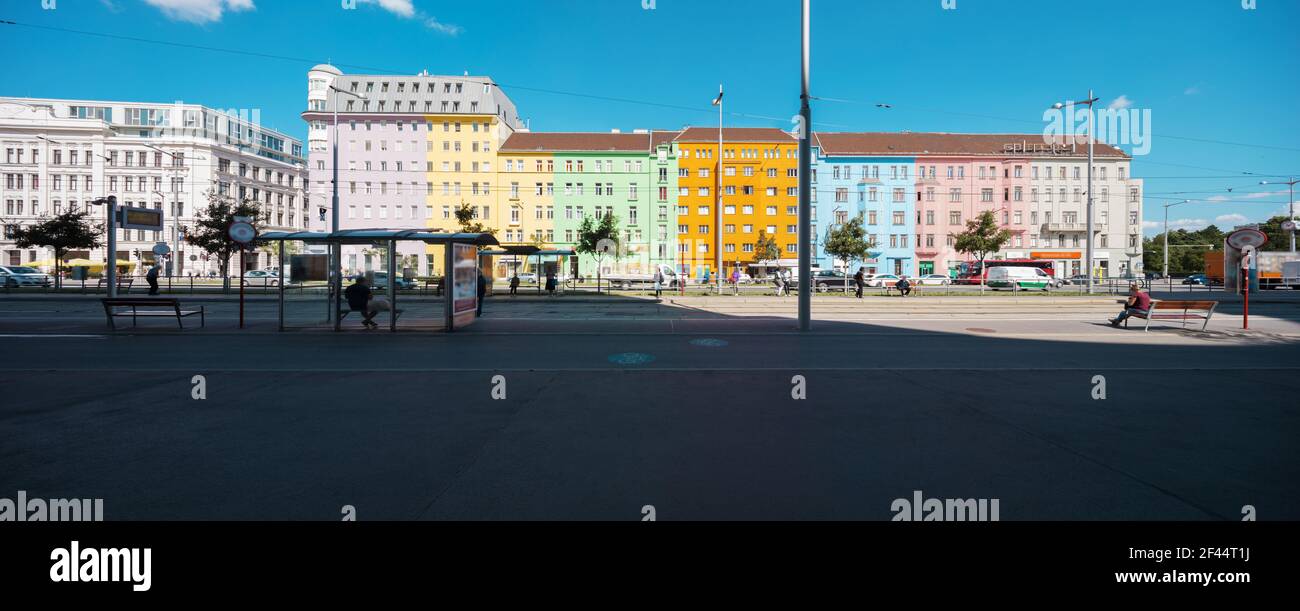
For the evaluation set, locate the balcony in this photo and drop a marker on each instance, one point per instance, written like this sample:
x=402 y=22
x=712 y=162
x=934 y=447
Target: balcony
x=1097 y=226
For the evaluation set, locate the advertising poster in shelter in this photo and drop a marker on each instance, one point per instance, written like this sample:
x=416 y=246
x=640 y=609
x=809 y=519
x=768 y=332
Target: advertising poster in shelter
x=464 y=285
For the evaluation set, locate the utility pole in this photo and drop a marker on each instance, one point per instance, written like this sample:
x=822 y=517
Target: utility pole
x=805 y=182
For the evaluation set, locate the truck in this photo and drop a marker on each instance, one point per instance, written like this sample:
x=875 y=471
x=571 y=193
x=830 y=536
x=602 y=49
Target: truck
x=1277 y=270
x=671 y=278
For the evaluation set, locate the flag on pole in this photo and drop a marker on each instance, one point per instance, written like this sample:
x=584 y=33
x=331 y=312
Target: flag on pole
x=718 y=100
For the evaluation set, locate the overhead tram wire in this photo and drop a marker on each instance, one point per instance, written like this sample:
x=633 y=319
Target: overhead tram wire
x=397 y=73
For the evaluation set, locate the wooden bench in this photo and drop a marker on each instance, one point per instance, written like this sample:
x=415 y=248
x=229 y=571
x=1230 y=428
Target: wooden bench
x=890 y=289
x=152 y=307
x=122 y=283
x=343 y=313
x=1177 y=310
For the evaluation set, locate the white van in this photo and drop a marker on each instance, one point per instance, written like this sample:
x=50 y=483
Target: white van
x=1019 y=277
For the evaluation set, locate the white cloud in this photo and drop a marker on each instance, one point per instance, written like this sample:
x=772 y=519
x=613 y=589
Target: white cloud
x=444 y=28
x=1120 y=103
x=1230 y=219
x=406 y=10
x=1174 y=225
x=199 y=11
x=401 y=8
x=1193 y=90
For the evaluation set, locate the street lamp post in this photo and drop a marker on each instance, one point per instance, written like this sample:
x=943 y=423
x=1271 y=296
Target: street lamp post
x=1092 y=138
x=805 y=178
x=1290 y=183
x=717 y=214
x=1165 y=273
x=336 y=250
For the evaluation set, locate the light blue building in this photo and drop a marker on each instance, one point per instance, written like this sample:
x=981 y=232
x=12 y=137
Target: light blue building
x=879 y=190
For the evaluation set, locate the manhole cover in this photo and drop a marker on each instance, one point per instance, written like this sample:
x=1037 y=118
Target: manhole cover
x=980 y=330
x=709 y=343
x=631 y=358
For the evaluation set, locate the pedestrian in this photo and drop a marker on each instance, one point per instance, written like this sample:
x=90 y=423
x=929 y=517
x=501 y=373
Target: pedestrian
x=779 y=282
x=859 y=280
x=152 y=278
x=550 y=282
x=659 y=282
x=514 y=284
x=735 y=281
x=482 y=292
x=358 y=295
x=1138 y=303
x=707 y=273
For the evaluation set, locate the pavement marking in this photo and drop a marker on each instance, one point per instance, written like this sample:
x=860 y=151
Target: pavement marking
x=709 y=342
x=51 y=335
x=630 y=358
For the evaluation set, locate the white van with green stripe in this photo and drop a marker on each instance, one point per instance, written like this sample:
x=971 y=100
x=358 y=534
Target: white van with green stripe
x=1022 y=278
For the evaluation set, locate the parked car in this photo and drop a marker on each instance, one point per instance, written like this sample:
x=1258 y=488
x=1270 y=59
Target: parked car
x=259 y=277
x=831 y=280
x=380 y=282
x=1020 y=277
x=524 y=278
x=879 y=280
x=939 y=279
x=1077 y=280
x=15 y=276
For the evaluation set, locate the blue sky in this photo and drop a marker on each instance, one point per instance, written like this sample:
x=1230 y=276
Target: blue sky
x=1208 y=70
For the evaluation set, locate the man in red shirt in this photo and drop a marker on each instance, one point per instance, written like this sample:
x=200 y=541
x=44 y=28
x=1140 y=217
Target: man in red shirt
x=1138 y=303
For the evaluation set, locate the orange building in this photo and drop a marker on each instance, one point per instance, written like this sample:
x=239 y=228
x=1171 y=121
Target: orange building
x=759 y=178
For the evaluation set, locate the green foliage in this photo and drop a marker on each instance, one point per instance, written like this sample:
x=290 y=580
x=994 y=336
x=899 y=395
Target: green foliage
x=849 y=242
x=982 y=237
x=1186 y=250
x=765 y=248
x=67 y=231
x=210 y=229
x=591 y=232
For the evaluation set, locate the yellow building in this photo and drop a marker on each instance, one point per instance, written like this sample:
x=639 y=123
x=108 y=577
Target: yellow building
x=759 y=189
x=526 y=198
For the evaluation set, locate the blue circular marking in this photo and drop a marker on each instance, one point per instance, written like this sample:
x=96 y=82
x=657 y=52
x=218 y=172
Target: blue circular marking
x=631 y=358
x=709 y=342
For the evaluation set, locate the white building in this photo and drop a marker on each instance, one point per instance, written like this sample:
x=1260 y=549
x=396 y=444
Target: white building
x=60 y=154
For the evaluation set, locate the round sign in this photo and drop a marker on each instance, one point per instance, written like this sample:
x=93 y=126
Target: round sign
x=606 y=246
x=161 y=249
x=1242 y=238
x=1288 y=225
x=194 y=257
x=242 y=232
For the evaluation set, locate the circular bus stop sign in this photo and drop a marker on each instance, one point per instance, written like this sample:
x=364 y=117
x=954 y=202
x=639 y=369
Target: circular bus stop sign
x=1242 y=238
x=242 y=232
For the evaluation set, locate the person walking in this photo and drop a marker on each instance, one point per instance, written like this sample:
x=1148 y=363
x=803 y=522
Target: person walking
x=482 y=292
x=735 y=281
x=358 y=295
x=859 y=280
x=514 y=284
x=152 y=278
x=659 y=282
x=550 y=282
x=779 y=282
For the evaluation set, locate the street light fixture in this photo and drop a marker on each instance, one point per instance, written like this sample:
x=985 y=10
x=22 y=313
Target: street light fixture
x=1290 y=183
x=336 y=283
x=1091 y=139
x=1167 y=207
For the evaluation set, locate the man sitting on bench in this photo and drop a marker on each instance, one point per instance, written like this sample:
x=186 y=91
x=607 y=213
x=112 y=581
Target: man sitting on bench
x=358 y=295
x=1139 y=303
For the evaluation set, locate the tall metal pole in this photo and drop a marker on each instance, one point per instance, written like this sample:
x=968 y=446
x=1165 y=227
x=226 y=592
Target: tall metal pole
x=805 y=183
x=336 y=250
x=1092 y=138
x=717 y=214
x=111 y=270
x=1165 y=274
x=1291 y=210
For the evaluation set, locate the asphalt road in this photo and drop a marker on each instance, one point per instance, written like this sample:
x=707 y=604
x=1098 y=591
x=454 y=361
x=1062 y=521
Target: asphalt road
x=689 y=411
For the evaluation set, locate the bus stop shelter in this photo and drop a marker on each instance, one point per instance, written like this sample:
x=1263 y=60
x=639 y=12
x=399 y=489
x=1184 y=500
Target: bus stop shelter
x=515 y=252
x=387 y=238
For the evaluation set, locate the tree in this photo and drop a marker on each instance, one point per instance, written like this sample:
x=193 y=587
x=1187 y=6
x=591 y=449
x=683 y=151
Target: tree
x=213 y=223
x=64 y=232
x=765 y=248
x=849 y=242
x=982 y=238
x=592 y=233
x=1186 y=250
x=1277 y=239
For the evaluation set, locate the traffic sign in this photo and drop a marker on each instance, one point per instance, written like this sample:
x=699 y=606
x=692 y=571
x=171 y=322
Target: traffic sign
x=1288 y=225
x=161 y=249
